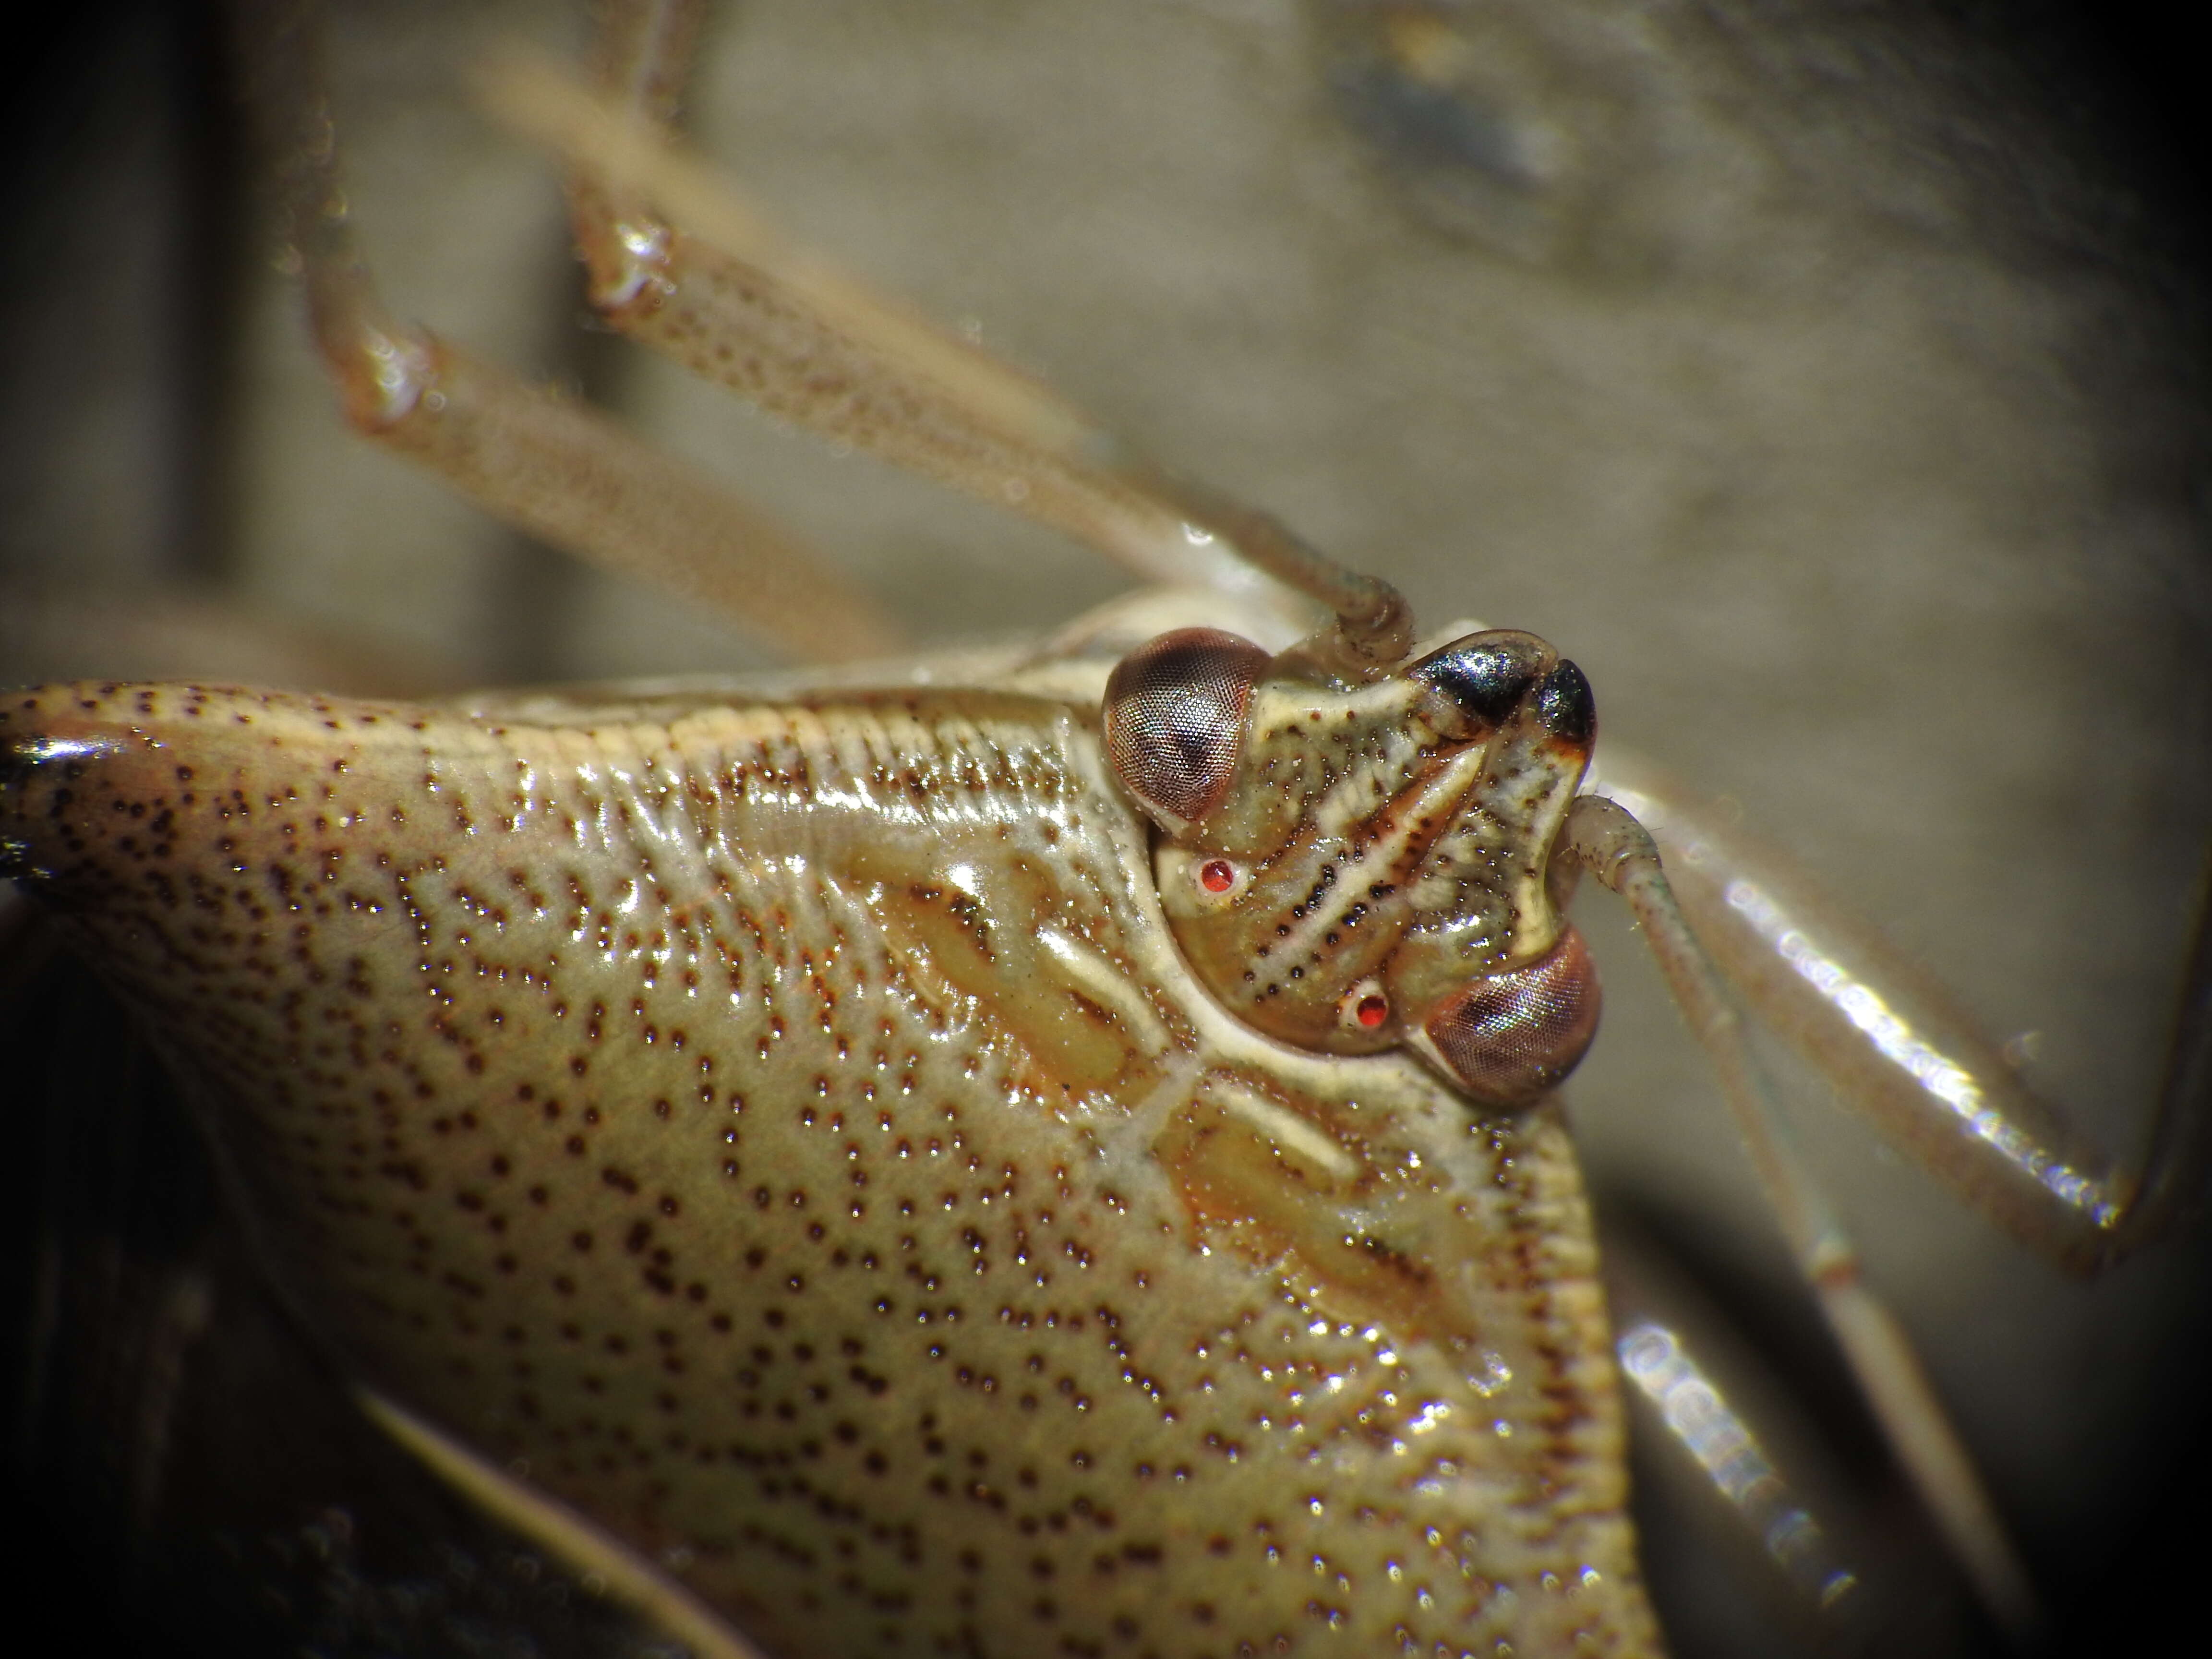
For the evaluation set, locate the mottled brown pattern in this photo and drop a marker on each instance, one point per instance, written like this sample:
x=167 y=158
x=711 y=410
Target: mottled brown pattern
x=788 y=1131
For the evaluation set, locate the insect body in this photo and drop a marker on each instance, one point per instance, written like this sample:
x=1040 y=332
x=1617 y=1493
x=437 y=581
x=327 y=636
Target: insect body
x=794 y=1130
x=1571 y=539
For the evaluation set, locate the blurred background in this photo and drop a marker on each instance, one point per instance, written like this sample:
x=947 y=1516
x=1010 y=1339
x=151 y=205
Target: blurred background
x=1827 y=379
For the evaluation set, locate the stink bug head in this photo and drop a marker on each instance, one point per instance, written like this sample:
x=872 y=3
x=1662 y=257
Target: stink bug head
x=1351 y=868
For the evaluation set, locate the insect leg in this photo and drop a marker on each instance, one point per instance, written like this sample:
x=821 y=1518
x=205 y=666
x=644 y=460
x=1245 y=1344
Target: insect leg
x=628 y=1578
x=1725 y=1450
x=1897 y=1049
x=542 y=462
x=1602 y=838
x=681 y=261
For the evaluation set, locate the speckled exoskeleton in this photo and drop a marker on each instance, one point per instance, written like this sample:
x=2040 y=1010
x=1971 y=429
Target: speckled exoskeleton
x=970 y=932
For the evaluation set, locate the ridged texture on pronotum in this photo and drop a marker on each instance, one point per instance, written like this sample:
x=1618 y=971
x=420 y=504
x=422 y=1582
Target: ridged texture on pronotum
x=791 y=1129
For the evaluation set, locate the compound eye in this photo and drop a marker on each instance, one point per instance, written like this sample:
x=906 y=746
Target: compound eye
x=1511 y=1037
x=1174 y=719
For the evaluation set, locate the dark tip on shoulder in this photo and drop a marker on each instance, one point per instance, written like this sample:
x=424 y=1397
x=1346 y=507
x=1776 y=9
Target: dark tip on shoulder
x=1567 y=707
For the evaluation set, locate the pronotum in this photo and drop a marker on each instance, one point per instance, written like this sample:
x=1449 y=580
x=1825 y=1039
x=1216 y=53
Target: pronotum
x=1470 y=342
